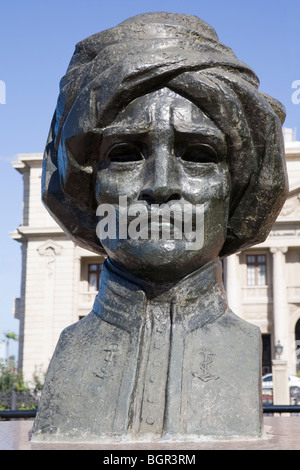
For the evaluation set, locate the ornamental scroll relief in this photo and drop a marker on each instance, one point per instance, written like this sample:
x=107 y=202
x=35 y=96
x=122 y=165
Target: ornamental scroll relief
x=50 y=250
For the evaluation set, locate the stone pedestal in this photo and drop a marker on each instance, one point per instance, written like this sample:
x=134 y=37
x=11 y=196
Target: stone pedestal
x=280 y=434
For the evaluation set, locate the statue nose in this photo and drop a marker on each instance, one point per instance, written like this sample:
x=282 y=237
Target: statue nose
x=162 y=184
x=159 y=195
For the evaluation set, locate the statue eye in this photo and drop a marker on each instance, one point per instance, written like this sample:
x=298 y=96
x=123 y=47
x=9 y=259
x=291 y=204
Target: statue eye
x=200 y=153
x=122 y=153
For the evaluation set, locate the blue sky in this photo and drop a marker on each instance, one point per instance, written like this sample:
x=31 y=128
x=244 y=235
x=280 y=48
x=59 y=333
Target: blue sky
x=37 y=39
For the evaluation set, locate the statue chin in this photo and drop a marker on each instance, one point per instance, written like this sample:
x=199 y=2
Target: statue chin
x=158 y=260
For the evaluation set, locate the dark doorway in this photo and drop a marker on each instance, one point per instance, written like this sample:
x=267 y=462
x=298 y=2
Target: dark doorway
x=266 y=354
x=297 y=338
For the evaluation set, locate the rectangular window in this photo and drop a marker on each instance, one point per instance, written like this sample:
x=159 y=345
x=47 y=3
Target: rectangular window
x=94 y=271
x=256 y=270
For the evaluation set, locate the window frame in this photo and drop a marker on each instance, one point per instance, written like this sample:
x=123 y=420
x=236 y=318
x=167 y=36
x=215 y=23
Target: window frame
x=97 y=271
x=256 y=263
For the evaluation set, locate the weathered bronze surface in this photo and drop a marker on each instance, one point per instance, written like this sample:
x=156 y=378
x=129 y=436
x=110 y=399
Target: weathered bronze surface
x=158 y=110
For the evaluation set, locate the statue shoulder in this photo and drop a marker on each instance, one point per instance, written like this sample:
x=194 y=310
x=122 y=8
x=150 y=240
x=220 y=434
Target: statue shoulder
x=230 y=319
x=80 y=330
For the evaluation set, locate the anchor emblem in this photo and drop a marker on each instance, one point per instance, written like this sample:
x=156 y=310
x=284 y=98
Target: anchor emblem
x=106 y=369
x=205 y=373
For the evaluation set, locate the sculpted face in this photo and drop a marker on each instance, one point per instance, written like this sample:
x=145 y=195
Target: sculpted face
x=162 y=149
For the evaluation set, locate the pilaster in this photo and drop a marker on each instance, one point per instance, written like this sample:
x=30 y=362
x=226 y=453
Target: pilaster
x=233 y=284
x=280 y=304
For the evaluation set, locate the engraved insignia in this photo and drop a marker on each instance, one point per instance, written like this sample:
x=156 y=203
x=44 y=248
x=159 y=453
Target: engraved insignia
x=107 y=369
x=205 y=374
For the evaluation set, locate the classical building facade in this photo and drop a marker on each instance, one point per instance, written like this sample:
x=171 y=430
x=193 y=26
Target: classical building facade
x=59 y=279
x=263 y=283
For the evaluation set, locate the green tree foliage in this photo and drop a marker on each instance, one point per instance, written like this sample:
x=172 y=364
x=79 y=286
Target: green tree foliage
x=9 y=335
x=10 y=377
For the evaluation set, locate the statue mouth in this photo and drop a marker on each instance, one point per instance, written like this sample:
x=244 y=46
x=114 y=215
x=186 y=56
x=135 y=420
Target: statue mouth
x=139 y=220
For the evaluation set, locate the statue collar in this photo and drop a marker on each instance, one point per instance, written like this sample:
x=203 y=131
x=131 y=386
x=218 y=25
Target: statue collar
x=197 y=299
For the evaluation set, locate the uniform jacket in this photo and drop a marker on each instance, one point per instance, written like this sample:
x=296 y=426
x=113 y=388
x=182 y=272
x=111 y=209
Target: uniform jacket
x=177 y=365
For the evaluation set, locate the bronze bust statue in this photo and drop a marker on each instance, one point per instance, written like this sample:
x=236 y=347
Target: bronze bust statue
x=157 y=110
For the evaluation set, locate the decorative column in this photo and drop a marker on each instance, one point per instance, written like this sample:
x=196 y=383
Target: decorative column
x=280 y=304
x=232 y=283
x=281 y=395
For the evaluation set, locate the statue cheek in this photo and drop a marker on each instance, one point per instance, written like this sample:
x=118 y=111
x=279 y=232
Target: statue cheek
x=205 y=190
x=110 y=184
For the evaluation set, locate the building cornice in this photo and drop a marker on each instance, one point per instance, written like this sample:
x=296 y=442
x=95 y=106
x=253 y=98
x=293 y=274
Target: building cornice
x=24 y=232
x=292 y=149
x=27 y=160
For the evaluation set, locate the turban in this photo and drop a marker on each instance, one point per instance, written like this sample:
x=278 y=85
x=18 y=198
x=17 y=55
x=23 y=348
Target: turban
x=150 y=51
